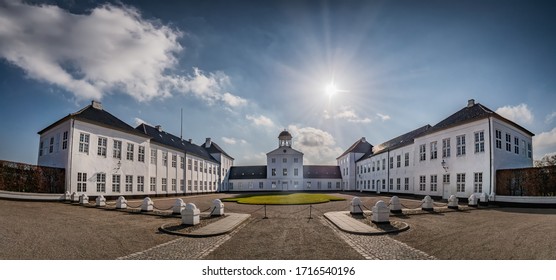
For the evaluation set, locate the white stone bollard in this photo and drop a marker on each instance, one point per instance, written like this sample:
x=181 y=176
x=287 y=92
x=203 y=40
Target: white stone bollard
x=74 y=197
x=100 y=201
x=381 y=213
x=179 y=205
x=121 y=203
x=427 y=204
x=355 y=206
x=147 y=205
x=190 y=215
x=492 y=197
x=395 y=205
x=83 y=199
x=217 y=208
x=483 y=199
x=473 y=201
x=67 y=196
x=453 y=202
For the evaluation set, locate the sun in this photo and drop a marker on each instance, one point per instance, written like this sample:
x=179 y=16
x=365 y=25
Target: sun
x=331 y=89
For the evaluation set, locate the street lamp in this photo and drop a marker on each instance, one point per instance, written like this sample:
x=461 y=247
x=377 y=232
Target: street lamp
x=444 y=165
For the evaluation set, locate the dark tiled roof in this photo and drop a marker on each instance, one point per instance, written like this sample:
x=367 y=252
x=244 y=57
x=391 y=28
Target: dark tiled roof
x=360 y=146
x=215 y=149
x=96 y=116
x=321 y=172
x=173 y=141
x=248 y=172
x=398 y=142
x=469 y=114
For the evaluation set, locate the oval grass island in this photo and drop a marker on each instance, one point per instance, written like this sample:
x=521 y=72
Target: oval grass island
x=283 y=199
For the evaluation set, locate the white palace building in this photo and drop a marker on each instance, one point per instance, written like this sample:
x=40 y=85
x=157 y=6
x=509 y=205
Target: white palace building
x=458 y=156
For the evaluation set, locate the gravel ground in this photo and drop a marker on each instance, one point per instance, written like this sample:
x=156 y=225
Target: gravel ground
x=40 y=230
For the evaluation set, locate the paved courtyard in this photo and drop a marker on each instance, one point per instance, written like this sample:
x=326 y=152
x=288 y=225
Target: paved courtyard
x=41 y=230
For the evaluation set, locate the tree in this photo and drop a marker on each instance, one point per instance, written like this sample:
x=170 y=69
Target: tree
x=547 y=160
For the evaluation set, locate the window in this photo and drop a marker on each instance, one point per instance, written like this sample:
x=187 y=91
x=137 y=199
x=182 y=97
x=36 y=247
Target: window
x=478 y=182
x=51 y=146
x=81 y=182
x=434 y=179
x=182 y=186
x=164 y=158
x=164 y=184
x=373 y=184
x=529 y=150
x=460 y=145
x=329 y=185
x=101 y=182
x=446 y=178
x=188 y=164
x=446 y=147
x=422 y=152
x=377 y=165
x=141 y=154
x=295 y=172
x=116 y=183
x=295 y=160
x=516 y=145
x=273 y=160
x=174 y=161
x=383 y=184
x=498 y=139
x=196 y=165
x=130 y=148
x=153 y=184
x=153 y=156
x=460 y=182
x=406 y=184
x=284 y=160
x=41 y=146
x=391 y=162
x=196 y=185
x=65 y=140
x=479 y=142
x=373 y=166
x=182 y=162
x=398 y=161
x=508 y=142
x=188 y=185
x=398 y=184
x=140 y=183
x=101 y=147
x=128 y=183
x=117 y=153
x=273 y=171
x=406 y=159
x=422 y=183
x=391 y=183
x=434 y=152
x=383 y=164
x=261 y=185
x=174 y=182
x=84 y=143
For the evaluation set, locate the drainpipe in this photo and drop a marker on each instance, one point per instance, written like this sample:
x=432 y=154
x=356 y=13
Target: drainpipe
x=490 y=155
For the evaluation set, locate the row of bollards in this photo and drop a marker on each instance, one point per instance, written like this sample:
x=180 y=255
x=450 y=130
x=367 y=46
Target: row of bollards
x=190 y=214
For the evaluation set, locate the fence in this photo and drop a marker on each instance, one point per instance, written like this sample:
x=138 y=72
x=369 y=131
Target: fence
x=20 y=177
x=535 y=181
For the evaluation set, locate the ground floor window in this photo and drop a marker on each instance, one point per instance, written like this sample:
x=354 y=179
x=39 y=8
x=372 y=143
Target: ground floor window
x=101 y=182
x=261 y=185
x=391 y=183
x=406 y=184
x=81 y=182
x=128 y=183
x=478 y=182
x=116 y=180
x=189 y=185
x=422 y=183
x=460 y=182
x=140 y=183
x=398 y=184
x=182 y=186
x=337 y=185
x=153 y=184
x=434 y=182
x=164 y=184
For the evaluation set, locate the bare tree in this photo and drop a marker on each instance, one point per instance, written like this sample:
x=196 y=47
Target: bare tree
x=548 y=160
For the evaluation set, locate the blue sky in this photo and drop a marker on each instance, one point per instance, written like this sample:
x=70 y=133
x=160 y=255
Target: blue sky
x=244 y=70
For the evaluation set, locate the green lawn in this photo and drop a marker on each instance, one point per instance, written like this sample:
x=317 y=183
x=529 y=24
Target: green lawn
x=283 y=199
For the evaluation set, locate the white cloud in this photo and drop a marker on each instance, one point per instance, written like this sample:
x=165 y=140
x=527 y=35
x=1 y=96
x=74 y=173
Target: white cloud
x=233 y=141
x=260 y=120
x=518 y=114
x=347 y=113
x=383 y=117
x=550 y=118
x=544 y=143
x=109 y=50
x=139 y=121
x=318 y=146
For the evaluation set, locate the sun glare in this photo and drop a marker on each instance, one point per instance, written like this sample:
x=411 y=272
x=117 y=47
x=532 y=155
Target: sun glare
x=331 y=89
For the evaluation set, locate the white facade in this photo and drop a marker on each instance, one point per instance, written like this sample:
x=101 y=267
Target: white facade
x=115 y=160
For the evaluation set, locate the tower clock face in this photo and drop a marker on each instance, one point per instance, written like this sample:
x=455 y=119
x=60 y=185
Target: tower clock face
x=284 y=151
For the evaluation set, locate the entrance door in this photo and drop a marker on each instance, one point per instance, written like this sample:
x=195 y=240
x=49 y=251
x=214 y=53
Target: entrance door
x=285 y=186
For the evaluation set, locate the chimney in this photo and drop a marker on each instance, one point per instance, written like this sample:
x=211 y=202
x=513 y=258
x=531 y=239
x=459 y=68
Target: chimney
x=96 y=105
x=363 y=139
x=159 y=128
x=190 y=141
x=208 y=142
x=470 y=103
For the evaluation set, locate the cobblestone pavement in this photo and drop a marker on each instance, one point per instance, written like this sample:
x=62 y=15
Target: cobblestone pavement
x=378 y=247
